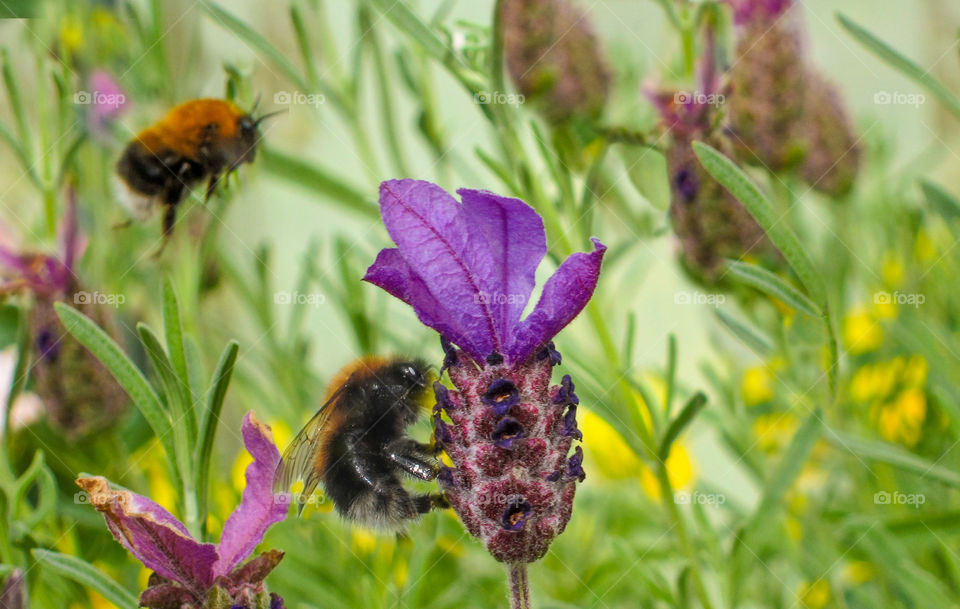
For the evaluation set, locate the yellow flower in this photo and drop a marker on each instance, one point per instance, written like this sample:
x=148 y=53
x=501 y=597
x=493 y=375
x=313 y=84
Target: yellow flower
x=861 y=332
x=902 y=420
x=815 y=595
x=71 y=34
x=161 y=489
x=609 y=452
x=924 y=248
x=773 y=431
x=915 y=372
x=892 y=270
x=681 y=470
x=859 y=571
x=757 y=385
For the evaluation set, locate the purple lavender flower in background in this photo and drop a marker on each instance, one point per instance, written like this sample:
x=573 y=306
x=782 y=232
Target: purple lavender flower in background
x=79 y=394
x=467 y=270
x=107 y=100
x=709 y=222
x=188 y=574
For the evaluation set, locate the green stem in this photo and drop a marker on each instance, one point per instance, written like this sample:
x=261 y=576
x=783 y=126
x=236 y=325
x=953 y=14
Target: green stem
x=666 y=496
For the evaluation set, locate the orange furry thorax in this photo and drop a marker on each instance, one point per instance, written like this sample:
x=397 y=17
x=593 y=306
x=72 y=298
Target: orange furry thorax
x=182 y=129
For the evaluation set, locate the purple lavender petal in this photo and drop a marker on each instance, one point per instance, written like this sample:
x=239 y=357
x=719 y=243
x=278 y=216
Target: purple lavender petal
x=258 y=510
x=564 y=296
x=452 y=267
x=514 y=232
x=391 y=273
x=153 y=535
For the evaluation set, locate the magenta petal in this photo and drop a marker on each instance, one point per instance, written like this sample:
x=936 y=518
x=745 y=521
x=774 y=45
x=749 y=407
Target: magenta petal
x=514 y=233
x=452 y=267
x=153 y=535
x=564 y=296
x=258 y=509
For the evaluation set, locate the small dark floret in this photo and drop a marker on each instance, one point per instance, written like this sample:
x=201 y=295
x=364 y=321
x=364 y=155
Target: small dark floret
x=507 y=431
x=501 y=395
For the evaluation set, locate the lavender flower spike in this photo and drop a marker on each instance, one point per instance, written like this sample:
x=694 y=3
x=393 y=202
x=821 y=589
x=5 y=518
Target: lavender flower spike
x=190 y=574
x=467 y=270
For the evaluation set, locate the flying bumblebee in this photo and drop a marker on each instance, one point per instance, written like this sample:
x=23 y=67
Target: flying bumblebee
x=357 y=446
x=198 y=140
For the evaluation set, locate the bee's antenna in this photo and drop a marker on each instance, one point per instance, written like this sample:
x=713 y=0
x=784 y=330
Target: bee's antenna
x=256 y=103
x=257 y=122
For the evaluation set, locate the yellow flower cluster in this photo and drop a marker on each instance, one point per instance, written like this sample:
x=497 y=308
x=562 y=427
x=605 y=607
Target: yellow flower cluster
x=894 y=391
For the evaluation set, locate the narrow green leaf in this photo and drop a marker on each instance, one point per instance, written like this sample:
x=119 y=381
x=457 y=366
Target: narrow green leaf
x=260 y=44
x=86 y=574
x=173 y=328
x=175 y=398
x=773 y=285
x=786 y=472
x=686 y=416
x=125 y=372
x=320 y=181
x=742 y=187
x=875 y=450
x=208 y=425
x=902 y=64
x=939 y=199
x=751 y=337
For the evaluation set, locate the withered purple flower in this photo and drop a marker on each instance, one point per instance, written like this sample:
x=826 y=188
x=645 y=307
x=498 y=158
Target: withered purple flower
x=467 y=270
x=188 y=574
x=710 y=224
x=79 y=394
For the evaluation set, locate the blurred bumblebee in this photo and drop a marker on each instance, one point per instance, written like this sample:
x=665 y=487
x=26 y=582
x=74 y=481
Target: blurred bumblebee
x=198 y=140
x=357 y=446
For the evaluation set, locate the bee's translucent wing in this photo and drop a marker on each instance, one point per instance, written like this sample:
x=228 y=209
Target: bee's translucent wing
x=301 y=460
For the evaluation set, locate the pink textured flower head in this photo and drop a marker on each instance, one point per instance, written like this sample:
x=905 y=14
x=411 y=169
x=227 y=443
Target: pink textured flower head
x=188 y=573
x=467 y=270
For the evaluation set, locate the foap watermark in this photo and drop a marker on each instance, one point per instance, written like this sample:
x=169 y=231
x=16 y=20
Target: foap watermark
x=498 y=97
x=285 y=297
x=98 y=298
x=499 y=299
x=300 y=499
x=85 y=498
x=684 y=297
x=512 y=500
x=298 y=98
x=898 y=98
x=899 y=298
x=697 y=98
x=96 y=98
x=898 y=498
x=698 y=498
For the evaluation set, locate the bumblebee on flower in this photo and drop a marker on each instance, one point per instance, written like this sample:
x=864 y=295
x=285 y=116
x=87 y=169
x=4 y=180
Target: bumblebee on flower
x=510 y=432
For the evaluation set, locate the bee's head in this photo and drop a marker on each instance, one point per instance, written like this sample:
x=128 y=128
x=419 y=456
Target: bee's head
x=404 y=381
x=249 y=138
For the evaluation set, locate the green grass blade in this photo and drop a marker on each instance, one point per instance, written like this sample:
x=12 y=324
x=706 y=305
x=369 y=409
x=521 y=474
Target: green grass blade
x=86 y=574
x=902 y=64
x=173 y=329
x=772 y=285
x=208 y=425
x=125 y=372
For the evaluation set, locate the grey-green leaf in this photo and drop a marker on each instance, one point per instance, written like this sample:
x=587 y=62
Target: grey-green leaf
x=84 y=573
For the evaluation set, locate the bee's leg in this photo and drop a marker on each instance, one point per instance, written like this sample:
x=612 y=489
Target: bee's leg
x=122 y=224
x=413 y=458
x=211 y=187
x=433 y=501
x=169 y=219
